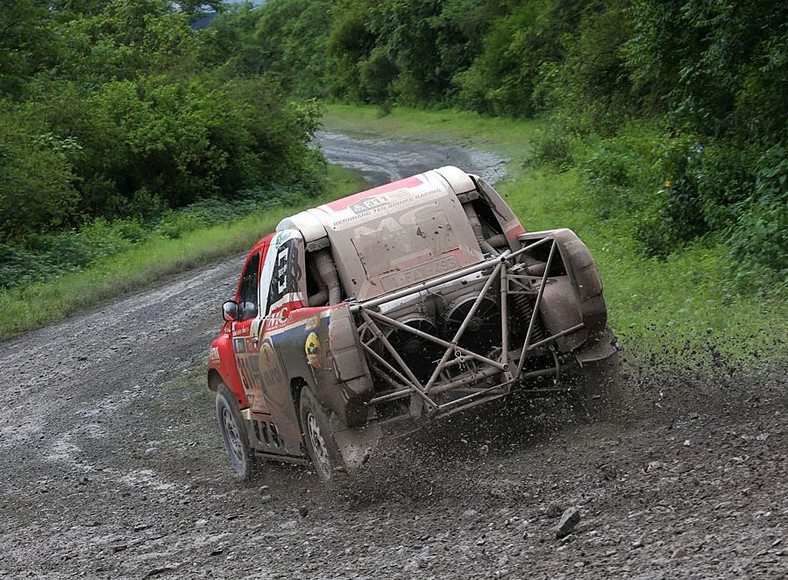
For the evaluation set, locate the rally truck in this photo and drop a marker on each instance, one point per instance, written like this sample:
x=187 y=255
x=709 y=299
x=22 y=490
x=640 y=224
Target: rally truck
x=397 y=306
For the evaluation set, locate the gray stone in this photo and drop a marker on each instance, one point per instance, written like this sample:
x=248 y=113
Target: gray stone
x=568 y=522
x=554 y=510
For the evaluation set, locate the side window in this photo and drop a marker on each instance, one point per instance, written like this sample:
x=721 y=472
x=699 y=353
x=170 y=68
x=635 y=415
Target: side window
x=247 y=294
x=286 y=276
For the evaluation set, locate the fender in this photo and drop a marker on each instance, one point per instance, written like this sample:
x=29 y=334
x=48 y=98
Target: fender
x=350 y=366
x=222 y=350
x=327 y=355
x=574 y=297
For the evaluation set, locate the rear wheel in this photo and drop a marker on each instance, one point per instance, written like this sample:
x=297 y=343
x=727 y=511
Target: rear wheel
x=233 y=431
x=315 y=425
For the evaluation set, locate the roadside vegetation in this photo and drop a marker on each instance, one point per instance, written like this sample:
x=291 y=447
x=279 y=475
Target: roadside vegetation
x=116 y=115
x=132 y=147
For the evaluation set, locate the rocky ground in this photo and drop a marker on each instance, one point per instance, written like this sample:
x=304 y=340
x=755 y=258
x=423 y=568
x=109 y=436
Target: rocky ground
x=112 y=467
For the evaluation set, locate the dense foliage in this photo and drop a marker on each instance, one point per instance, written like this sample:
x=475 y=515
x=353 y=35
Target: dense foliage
x=120 y=111
x=674 y=110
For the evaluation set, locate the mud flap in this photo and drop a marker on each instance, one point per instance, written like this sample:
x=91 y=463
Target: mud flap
x=603 y=346
x=355 y=445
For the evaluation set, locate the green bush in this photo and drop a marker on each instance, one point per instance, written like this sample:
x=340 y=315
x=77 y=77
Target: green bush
x=620 y=175
x=552 y=148
x=759 y=239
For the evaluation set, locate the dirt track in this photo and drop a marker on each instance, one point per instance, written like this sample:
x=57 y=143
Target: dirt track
x=113 y=468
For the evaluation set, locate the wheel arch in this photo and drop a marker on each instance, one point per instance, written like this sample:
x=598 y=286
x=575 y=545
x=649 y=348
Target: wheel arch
x=297 y=385
x=214 y=380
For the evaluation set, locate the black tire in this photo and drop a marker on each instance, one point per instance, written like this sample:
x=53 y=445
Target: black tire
x=233 y=431
x=316 y=429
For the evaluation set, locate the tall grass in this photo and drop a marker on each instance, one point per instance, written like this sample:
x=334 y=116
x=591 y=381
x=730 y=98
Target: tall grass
x=33 y=305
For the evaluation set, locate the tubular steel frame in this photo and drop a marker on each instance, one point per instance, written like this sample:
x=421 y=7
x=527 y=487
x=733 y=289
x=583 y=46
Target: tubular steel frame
x=478 y=367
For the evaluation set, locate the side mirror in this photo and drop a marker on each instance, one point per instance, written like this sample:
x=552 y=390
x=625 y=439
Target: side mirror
x=230 y=310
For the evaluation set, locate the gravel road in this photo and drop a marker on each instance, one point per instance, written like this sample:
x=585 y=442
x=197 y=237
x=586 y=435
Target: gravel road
x=112 y=466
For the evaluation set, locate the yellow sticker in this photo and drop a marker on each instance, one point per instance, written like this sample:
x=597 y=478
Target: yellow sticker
x=312 y=349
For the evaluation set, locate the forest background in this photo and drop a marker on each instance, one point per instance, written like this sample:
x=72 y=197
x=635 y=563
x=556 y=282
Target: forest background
x=122 y=121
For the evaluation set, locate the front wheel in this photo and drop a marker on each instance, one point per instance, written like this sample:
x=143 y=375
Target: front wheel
x=233 y=431
x=315 y=425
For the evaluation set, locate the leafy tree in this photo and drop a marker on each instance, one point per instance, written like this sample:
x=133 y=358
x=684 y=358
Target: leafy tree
x=503 y=78
x=349 y=45
x=26 y=43
x=594 y=80
x=126 y=38
x=36 y=174
x=229 y=46
x=720 y=67
x=292 y=35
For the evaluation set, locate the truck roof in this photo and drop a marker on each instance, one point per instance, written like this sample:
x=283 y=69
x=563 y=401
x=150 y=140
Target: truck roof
x=398 y=234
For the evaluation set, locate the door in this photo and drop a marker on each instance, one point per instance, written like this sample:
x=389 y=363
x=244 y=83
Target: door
x=282 y=290
x=246 y=344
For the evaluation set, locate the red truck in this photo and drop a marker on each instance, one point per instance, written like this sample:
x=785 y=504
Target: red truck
x=401 y=304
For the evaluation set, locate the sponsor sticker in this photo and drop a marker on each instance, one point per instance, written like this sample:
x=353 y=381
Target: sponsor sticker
x=239 y=345
x=312 y=350
x=420 y=272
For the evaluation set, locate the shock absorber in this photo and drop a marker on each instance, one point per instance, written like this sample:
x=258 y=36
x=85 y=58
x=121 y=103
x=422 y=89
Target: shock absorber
x=525 y=306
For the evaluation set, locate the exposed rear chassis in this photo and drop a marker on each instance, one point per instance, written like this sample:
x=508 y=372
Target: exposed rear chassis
x=484 y=378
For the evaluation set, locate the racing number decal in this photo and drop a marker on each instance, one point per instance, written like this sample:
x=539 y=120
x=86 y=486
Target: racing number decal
x=281 y=270
x=286 y=276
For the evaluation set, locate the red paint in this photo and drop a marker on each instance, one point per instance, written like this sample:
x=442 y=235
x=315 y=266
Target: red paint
x=229 y=371
x=516 y=231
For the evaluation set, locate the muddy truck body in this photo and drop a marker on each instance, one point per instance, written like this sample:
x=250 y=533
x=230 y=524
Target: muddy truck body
x=397 y=305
